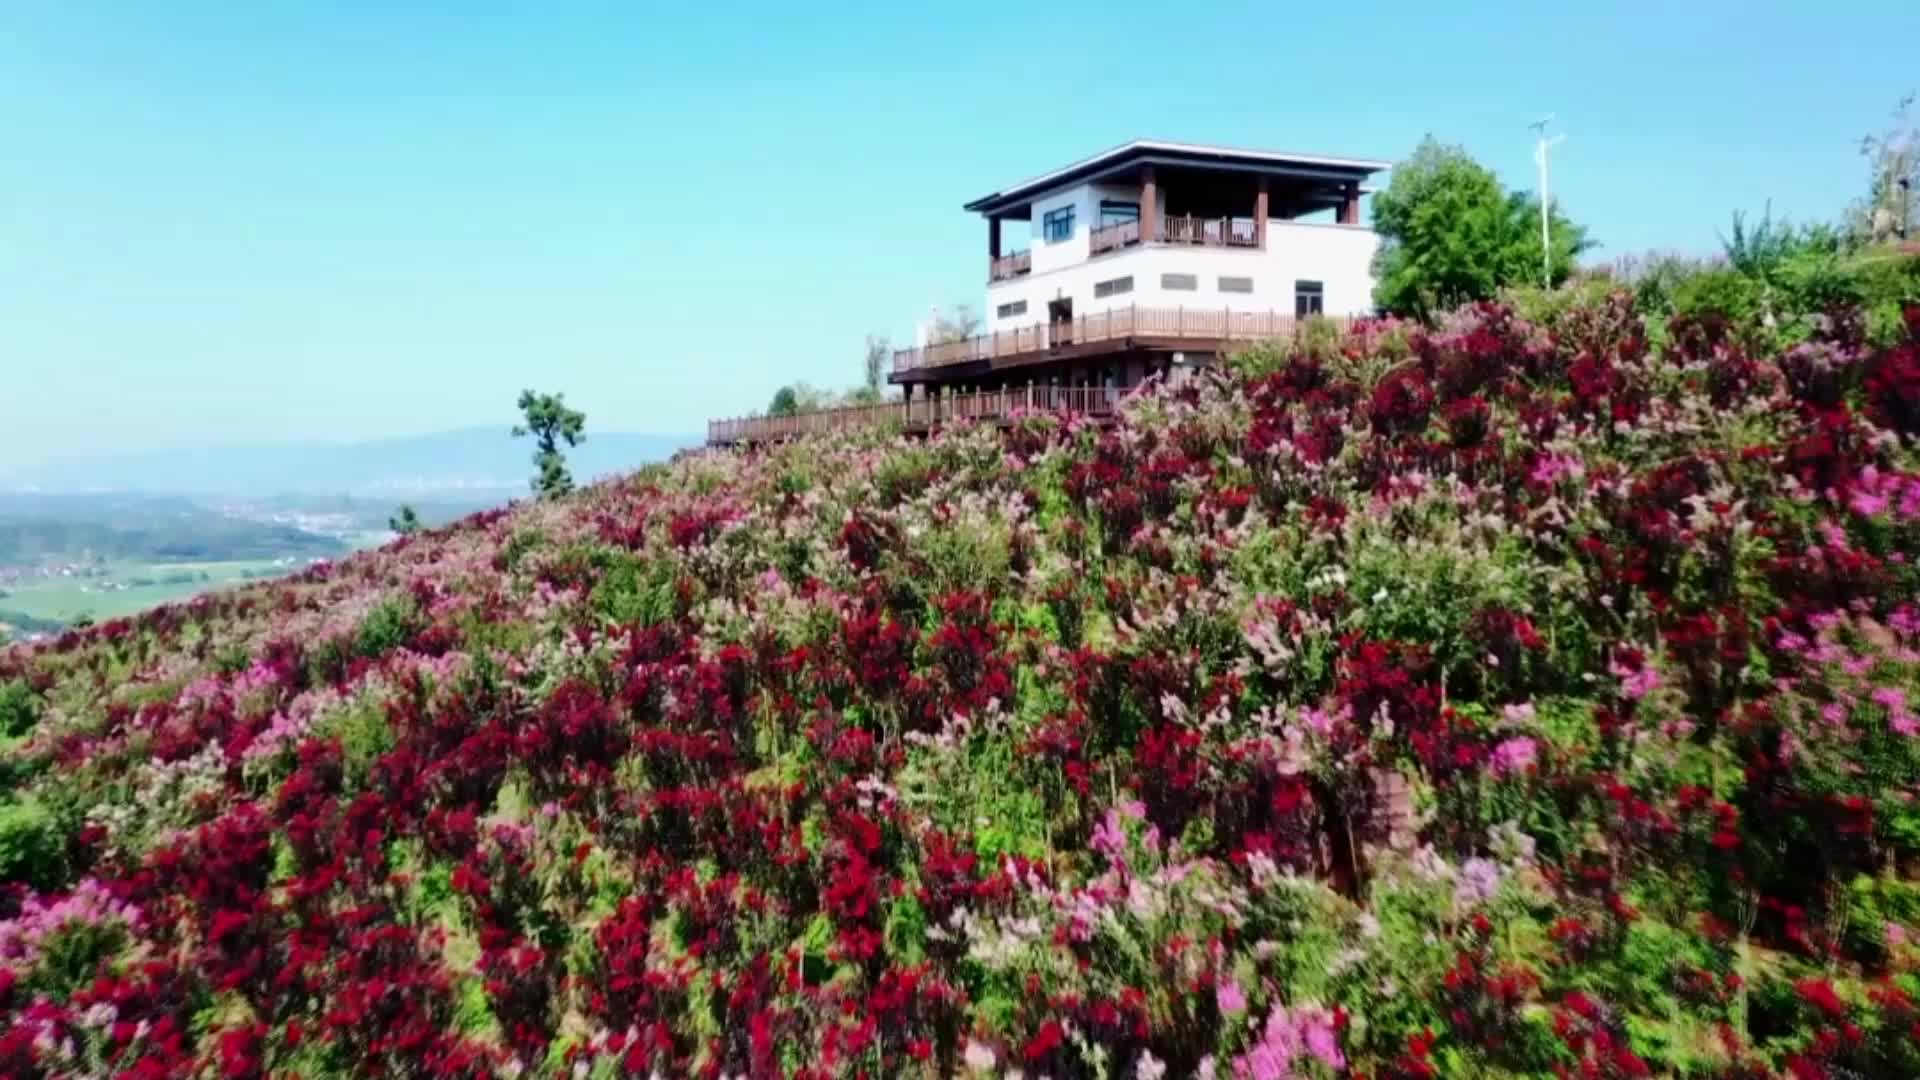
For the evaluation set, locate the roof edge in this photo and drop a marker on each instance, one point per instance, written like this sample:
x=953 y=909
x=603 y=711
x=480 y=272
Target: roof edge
x=1197 y=151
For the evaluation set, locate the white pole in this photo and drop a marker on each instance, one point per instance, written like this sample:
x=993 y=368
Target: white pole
x=1540 y=150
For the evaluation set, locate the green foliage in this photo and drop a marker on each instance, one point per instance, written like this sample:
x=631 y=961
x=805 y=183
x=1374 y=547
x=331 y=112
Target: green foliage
x=1725 y=292
x=19 y=708
x=550 y=422
x=405 y=521
x=1450 y=234
x=391 y=624
x=70 y=957
x=364 y=736
x=786 y=402
x=632 y=591
x=32 y=845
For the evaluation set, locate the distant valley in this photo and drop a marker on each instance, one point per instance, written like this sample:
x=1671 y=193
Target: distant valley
x=97 y=538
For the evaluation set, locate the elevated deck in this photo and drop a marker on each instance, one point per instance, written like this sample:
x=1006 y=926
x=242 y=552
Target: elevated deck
x=923 y=414
x=1206 y=330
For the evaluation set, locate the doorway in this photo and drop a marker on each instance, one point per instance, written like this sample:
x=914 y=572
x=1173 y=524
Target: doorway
x=1060 y=321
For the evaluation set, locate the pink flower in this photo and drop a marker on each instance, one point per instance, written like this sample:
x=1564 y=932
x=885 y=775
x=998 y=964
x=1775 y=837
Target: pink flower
x=1515 y=755
x=1231 y=999
x=1868 y=504
x=1110 y=838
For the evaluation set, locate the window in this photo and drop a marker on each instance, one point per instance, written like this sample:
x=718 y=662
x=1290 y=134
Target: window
x=1112 y=288
x=1115 y=212
x=1008 y=311
x=1309 y=298
x=1180 y=282
x=1236 y=284
x=1058 y=224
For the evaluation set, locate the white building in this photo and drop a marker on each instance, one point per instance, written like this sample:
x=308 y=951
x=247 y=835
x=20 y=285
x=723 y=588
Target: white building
x=1156 y=252
x=1140 y=260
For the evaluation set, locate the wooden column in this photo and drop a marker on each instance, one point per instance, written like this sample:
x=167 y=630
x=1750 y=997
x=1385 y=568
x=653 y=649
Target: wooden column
x=993 y=237
x=1149 y=206
x=1350 y=206
x=1260 y=213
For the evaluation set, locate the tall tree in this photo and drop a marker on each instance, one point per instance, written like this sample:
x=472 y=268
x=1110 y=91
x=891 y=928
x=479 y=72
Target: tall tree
x=959 y=325
x=878 y=354
x=550 y=422
x=873 y=382
x=1891 y=207
x=1450 y=234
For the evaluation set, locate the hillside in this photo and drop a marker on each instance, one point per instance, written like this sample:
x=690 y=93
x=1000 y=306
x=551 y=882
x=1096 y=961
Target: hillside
x=1485 y=700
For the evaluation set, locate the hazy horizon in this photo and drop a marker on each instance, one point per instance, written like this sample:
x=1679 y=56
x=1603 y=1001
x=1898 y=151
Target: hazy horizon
x=462 y=460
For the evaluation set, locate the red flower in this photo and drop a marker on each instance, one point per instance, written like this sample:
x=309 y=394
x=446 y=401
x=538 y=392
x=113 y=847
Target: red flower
x=1050 y=1035
x=1820 y=994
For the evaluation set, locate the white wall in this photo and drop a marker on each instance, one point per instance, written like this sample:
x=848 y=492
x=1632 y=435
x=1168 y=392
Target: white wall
x=1064 y=253
x=1338 y=256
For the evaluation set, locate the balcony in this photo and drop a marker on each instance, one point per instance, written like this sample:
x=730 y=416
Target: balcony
x=1170 y=327
x=1008 y=267
x=1188 y=231
x=991 y=406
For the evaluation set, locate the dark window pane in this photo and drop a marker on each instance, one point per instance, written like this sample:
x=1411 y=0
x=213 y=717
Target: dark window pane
x=1309 y=298
x=1058 y=224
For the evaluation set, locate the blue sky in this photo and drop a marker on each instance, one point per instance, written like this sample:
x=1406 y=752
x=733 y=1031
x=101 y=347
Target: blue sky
x=234 y=222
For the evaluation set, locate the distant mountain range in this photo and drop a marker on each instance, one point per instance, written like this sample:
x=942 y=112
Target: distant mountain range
x=467 y=462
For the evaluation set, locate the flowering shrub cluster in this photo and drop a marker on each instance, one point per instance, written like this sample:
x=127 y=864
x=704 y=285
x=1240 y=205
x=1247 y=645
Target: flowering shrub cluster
x=1480 y=699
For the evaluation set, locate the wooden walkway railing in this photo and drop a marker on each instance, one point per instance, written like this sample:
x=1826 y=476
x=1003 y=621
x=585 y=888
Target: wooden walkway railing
x=991 y=405
x=1173 y=324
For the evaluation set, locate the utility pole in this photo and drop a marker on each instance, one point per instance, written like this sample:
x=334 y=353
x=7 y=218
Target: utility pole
x=1540 y=149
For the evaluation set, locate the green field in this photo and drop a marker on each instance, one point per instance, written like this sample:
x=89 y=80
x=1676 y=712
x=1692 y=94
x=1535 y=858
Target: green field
x=128 y=588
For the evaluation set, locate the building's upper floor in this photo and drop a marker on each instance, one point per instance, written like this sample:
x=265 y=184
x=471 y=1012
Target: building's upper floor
x=1148 y=193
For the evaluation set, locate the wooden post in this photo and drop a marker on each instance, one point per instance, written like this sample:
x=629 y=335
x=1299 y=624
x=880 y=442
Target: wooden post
x=1260 y=214
x=1350 y=204
x=1149 y=206
x=993 y=238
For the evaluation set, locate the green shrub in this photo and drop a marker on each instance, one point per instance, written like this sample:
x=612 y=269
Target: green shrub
x=19 y=709
x=1724 y=291
x=32 y=847
x=70 y=956
x=391 y=624
x=1549 y=307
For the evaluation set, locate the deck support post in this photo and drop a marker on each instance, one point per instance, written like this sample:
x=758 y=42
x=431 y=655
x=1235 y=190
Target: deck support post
x=1149 y=206
x=1350 y=205
x=1260 y=213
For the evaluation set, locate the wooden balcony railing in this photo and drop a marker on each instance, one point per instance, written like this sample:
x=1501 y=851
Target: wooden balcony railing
x=981 y=405
x=1209 y=232
x=1159 y=324
x=1114 y=237
x=1010 y=266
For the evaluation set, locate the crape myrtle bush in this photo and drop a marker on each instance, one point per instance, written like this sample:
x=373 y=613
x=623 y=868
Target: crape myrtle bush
x=1487 y=698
